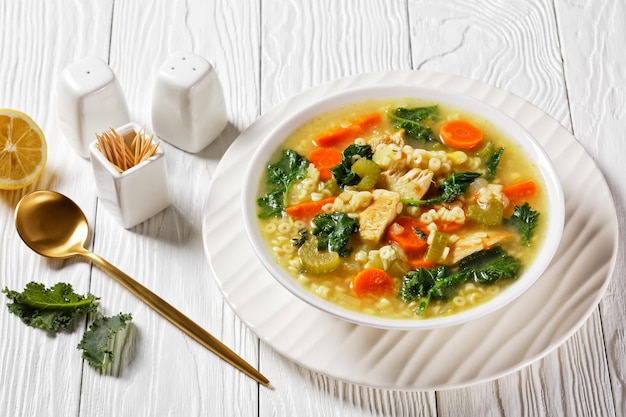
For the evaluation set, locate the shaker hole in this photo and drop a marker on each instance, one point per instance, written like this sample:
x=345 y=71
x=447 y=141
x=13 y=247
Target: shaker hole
x=194 y=68
x=173 y=68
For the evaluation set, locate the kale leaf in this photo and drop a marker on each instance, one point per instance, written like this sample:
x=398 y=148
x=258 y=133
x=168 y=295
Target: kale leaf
x=271 y=205
x=484 y=267
x=428 y=283
x=419 y=282
x=51 y=309
x=299 y=241
x=333 y=231
x=97 y=342
x=411 y=121
x=280 y=175
x=452 y=187
x=56 y=308
x=492 y=164
x=420 y=233
x=490 y=265
x=342 y=172
x=524 y=219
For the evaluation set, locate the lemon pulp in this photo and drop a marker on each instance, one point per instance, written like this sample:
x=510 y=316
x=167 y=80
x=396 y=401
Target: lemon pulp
x=23 y=150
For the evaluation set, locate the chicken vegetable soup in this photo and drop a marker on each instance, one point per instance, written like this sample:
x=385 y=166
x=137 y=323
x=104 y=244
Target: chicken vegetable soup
x=401 y=209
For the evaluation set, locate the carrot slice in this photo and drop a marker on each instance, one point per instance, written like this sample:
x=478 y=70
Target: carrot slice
x=324 y=159
x=421 y=263
x=372 y=282
x=336 y=137
x=367 y=121
x=461 y=134
x=306 y=211
x=520 y=191
x=342 y=136
x=403 y=232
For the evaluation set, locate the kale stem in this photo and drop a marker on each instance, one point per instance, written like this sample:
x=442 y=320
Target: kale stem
x=69 y=306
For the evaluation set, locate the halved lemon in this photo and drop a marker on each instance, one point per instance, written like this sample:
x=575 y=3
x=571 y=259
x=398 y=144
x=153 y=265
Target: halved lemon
x=23 y=150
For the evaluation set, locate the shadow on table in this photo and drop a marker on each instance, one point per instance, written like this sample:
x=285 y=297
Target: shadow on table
x=10 y=198
x=190 y=176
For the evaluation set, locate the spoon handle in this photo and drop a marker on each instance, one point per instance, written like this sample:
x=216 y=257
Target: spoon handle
x=177 y=318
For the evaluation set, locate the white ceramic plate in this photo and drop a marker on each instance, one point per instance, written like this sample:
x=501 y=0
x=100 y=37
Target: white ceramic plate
x=487 y=348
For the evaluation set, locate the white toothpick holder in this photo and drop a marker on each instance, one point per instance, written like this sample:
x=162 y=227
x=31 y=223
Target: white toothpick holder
x=188 y=108
x=90 y=100
x=136 y=194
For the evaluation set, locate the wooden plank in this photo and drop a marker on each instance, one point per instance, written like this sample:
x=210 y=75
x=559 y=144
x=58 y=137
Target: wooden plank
x=309 y=43
x=163 y=371
x=513 y=46
x=510 y=45
x=557 y=385
x=41 y=373
x=328 y=40
x=592 y=37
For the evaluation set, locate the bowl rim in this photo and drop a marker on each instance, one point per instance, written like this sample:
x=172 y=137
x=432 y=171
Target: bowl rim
x=511 y=129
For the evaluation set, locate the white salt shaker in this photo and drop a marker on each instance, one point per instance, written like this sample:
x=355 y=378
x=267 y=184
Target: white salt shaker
x=188 y=108
x=134 y=195
x=90 y=101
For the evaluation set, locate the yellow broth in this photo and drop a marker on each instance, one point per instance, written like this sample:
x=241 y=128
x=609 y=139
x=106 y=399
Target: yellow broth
x=280 y=232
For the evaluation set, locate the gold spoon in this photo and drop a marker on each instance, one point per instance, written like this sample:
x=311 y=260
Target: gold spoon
x=54 y=226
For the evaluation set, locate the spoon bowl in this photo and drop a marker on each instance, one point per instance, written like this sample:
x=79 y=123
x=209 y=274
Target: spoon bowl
x=53 y=225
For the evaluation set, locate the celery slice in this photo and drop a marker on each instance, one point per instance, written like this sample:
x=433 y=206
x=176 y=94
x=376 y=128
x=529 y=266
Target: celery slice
x=437 y=247
x=317 y=262
x=490 y=215
x=368 y=171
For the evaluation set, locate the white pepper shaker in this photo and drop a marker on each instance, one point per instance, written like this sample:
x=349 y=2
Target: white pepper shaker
x=188 y=108
x=90 y=100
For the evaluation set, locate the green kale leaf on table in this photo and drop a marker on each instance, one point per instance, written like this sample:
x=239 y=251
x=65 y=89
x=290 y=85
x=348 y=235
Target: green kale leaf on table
x=51 y=309
x=97 y=342
x=57 y=308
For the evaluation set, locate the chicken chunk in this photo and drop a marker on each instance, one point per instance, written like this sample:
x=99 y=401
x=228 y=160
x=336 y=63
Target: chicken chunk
x=373 y=221
x=411 y=184
x=474 y=242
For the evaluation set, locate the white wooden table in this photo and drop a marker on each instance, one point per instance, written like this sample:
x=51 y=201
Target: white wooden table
x=564 y=56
